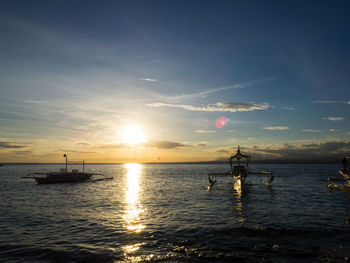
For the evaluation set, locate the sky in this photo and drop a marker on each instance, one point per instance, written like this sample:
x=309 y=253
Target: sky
x=194 y=78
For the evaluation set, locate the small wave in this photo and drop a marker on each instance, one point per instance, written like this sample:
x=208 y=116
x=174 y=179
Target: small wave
x=34 y=254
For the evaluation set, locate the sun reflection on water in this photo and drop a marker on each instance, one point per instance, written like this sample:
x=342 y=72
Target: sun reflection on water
x=131 y=251
x=239 y=207
x=134 y=207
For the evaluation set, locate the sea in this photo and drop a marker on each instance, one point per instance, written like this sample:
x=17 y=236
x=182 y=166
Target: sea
x=166 y=213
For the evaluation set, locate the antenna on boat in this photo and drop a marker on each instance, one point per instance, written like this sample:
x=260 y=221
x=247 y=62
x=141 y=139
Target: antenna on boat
x=65 y=156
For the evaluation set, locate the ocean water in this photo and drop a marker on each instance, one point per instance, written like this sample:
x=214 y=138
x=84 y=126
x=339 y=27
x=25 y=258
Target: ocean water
x=165 y=213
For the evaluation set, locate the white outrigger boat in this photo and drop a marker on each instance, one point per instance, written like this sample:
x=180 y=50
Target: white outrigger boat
x=63 y=176
x=239 y=172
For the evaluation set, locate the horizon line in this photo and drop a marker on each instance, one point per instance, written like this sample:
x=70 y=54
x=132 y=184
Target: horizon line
x=203 y=162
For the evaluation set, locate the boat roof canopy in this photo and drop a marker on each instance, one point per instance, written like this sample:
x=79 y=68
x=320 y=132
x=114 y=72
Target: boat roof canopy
x=238 y=155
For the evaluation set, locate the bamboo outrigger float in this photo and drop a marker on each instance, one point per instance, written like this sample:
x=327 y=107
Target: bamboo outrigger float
x=64 y=176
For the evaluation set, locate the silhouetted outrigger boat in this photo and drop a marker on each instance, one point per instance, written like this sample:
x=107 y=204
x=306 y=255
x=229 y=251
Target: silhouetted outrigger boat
x=64 y=176
x=239 y=172
x=240 y=164
x=345 y=172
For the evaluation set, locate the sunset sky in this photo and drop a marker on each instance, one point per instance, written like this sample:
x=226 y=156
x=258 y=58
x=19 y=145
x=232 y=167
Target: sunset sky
x=146 y=81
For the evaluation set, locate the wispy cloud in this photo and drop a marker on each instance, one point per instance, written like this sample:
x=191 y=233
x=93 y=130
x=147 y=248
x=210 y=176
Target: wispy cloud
x=112 y=146
x=152 y=143
x=83 y=144
x=165 y=144
x=229 y=87
x=330 y=102
x=310 y=130
x=150 y=80
x=324 y=101
x=333 y=118
x=288 y=108
x=76 y=151
x=28 y=152
x=33 y=101
x=210 y=91
x=217 y=107
x=222 y=151
x=276 y=128
x=333 y=130
x=205 y=131
x=11 y=145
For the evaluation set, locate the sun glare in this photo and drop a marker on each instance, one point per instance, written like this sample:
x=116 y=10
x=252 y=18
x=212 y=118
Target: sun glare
x=133 y=135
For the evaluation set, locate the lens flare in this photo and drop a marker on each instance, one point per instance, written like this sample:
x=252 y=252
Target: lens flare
x=221 y=122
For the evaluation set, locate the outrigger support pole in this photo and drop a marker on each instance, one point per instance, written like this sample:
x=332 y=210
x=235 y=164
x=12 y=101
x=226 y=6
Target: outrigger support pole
x=65 y=156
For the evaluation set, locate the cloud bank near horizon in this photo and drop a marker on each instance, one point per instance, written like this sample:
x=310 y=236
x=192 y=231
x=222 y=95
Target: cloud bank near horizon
x=331 y=151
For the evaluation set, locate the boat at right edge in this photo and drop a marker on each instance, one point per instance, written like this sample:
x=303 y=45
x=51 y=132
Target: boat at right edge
x=345 y=171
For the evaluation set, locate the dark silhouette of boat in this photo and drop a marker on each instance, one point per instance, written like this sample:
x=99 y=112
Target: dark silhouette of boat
x=239 y=170
x=240 y=165
x=345 y=172
x=63 y=176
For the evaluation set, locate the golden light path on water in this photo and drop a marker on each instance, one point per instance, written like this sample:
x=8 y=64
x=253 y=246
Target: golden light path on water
x=238 y=194
x=134 y=205
x=134 y=209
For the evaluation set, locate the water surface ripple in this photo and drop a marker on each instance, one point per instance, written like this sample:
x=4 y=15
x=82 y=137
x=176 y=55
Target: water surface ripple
x=164 y=213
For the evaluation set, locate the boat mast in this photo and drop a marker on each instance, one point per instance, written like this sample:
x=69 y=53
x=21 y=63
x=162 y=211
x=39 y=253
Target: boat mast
x=239 y=156
x=66 y=162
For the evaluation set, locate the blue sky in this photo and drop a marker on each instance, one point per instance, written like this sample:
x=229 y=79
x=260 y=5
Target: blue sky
x=73 y=74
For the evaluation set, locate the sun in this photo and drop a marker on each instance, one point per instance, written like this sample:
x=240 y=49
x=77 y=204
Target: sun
x=133 y=135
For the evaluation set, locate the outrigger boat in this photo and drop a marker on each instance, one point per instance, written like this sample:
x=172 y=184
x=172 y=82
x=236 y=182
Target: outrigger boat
x=345 y=172
x=239 y=172
x=63 y=176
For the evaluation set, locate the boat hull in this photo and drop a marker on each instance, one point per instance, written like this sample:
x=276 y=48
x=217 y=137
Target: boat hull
x=240 y=178
x=55 y=178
